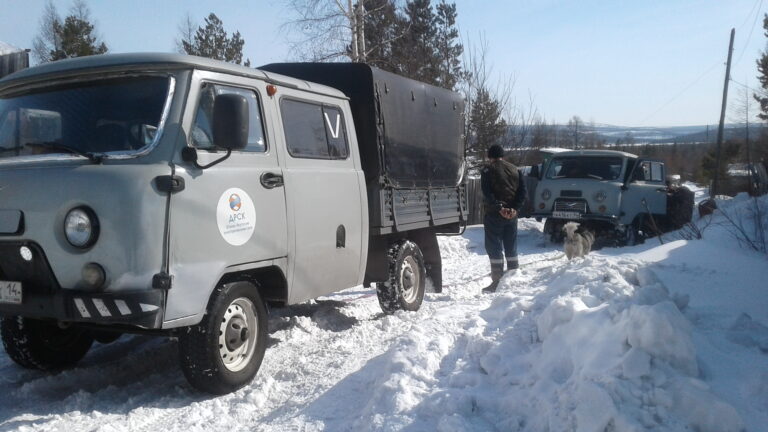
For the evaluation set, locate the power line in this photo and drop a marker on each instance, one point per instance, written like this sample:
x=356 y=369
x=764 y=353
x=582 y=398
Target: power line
x=680 y=93
x=746 y=44
x=743 y=85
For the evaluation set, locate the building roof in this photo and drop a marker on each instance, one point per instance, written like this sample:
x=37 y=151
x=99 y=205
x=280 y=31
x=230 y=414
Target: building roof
x=8 y=48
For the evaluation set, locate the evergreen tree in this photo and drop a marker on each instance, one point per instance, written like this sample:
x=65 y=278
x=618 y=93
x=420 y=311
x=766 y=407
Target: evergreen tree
x=486 y=126
x=730 y=152
x=211 y=41
x=762 y=68
x=75 y=36
x=382 y=23
x=448 y=49
x=414 y=53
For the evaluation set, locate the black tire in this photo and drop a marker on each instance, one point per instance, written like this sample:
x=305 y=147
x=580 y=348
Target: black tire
x=37 y=344
x=223 y=352
x=554 y=230
x=633 y=236
x=105 y=336
x=407 y=279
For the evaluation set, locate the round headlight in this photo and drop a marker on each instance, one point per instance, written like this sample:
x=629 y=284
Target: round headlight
x=546 y=194
x=81 y=227
x=600 y=196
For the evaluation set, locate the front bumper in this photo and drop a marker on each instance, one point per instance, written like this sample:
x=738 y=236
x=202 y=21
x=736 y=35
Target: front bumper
x=43 y=297
x=143 y=309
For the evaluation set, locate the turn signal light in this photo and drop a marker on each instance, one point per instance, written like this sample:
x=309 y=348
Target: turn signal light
x=93 y=275
x=271 y=90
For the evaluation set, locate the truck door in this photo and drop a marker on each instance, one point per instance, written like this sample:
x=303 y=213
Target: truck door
x=324 y=185
x=646 y=188
x=232 y=213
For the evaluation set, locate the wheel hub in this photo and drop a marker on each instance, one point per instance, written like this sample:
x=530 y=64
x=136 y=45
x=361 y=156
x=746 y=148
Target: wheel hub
x=409 y=279
x=237 y=333
x=236 y=346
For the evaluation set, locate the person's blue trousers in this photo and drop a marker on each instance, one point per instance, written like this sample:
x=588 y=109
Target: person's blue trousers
x=501 y=240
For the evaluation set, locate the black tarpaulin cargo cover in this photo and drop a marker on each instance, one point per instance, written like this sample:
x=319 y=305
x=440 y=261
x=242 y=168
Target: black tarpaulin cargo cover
x=410 y=134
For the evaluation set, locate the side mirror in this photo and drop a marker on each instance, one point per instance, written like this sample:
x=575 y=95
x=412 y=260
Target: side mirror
x=230 y=121
x=534 y=171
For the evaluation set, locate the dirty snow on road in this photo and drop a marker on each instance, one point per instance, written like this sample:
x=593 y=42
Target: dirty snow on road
x=670 y=337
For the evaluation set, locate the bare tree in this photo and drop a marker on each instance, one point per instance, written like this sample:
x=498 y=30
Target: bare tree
x=187 y=29
x=327 y=29
x=47 y=39
x=575 y=127
x=478 y=90
x=519 y=119
x=73 y=36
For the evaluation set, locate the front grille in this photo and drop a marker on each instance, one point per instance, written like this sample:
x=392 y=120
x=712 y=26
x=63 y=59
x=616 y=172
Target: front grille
x=571 y=205
x=571 y=193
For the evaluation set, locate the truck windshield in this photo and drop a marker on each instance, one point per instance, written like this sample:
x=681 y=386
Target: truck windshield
x=117 y=115
x=596 y=167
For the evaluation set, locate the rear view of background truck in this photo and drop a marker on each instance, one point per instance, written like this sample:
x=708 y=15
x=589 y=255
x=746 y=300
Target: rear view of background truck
x=175 y=195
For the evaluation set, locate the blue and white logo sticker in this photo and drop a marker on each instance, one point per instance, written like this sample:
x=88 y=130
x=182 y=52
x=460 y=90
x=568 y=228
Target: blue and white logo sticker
x=236 y=216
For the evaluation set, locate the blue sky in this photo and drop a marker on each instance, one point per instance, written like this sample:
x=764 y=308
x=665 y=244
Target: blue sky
x=630 y=63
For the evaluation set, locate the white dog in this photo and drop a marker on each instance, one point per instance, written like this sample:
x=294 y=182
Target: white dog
x=577 y=245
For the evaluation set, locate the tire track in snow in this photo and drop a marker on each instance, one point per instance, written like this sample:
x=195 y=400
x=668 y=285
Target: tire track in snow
x=315 y=347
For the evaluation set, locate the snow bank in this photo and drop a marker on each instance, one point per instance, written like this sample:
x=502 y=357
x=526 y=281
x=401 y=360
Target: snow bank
x=600 y=345
x=669 y=337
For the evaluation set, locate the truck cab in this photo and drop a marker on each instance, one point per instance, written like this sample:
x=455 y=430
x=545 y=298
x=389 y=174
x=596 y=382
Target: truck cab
x=180 y=196
x=614 y=194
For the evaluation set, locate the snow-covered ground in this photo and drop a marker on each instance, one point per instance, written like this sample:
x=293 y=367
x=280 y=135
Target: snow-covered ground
x=670 y=337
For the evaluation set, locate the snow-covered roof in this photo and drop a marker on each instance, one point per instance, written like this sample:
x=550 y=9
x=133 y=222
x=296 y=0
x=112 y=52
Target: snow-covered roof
x=596 y=153
x=553 y=150
x=8 y=48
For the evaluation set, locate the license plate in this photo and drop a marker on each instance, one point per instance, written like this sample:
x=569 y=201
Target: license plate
x=10 y=292
x=566 y=215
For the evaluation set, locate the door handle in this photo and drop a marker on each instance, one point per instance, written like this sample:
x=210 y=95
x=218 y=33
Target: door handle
x=661 y=190
x=271 y=180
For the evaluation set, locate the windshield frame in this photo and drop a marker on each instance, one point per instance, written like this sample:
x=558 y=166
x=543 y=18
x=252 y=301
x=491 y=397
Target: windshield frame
x=548 y=175
x=111 y=155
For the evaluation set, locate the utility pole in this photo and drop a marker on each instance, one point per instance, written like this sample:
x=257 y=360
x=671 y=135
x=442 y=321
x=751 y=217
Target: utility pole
x=716 y=181
x=749 y=156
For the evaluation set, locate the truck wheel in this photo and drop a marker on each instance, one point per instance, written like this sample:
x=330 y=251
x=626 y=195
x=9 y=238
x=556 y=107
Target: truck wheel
x=554 y=230
x=37 y=344
x=224 y=351
x=407 y=279
x=633 y=235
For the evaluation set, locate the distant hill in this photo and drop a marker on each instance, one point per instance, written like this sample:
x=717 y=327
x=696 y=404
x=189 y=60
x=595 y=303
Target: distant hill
x=671 y=134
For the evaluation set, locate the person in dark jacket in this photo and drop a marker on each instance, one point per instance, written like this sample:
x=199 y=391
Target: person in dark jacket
x=504 y=195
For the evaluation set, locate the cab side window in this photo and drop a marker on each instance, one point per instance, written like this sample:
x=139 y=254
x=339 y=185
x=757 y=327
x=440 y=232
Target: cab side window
x=314 y=131
x=657 y=171
x=202 y=133
x=643 y=172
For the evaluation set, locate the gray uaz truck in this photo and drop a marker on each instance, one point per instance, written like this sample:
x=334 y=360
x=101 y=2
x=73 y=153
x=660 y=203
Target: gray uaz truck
x=618 y=196
x=180 y=196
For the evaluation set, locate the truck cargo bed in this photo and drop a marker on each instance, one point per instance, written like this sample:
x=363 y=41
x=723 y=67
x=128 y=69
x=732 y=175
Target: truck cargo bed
x=411 y=140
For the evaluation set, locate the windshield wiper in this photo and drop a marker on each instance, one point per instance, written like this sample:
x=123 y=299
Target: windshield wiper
x=595 y=176
x=53 y=145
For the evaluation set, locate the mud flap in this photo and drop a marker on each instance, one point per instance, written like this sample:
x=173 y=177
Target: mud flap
x=427 y=241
